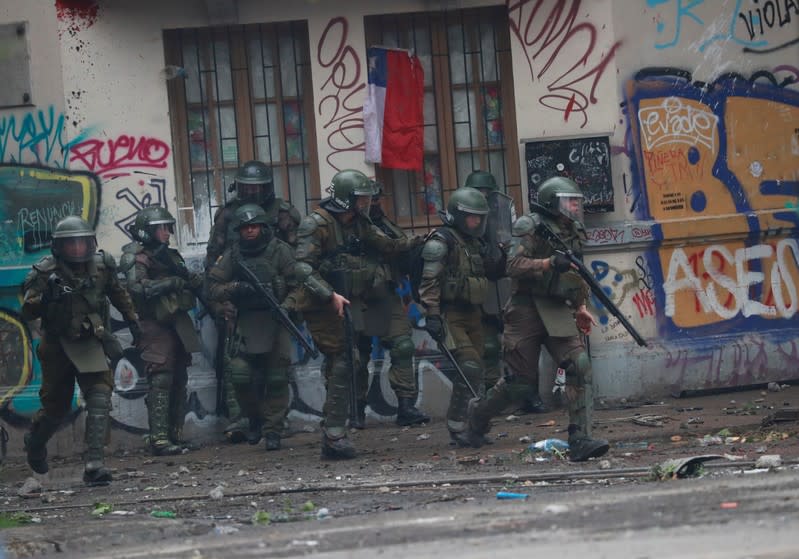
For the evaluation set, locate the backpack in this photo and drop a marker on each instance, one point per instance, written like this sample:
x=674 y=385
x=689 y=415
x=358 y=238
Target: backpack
x=417 y=262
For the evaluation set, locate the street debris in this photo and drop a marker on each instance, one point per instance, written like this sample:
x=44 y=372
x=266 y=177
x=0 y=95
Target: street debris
x=677 y=468
x=769 y=461
x=101 y=509
x=261 y=517
x=781 y=416
x=163 y=514
x=650 y=420
x=728 y=505
x=217 y=492
x=507 y=495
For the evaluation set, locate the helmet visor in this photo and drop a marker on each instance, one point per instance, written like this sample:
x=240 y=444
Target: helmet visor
x=571 y=205
x=251 y=193
x=75 y=249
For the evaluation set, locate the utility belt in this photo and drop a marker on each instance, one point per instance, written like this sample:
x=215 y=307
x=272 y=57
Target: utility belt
x=464 y=290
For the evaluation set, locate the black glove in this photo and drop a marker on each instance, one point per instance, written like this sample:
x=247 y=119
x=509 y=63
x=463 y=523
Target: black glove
x=560 y=263
x=244 y=290
x=54 y=290
x=435 y=327
x=135 y=331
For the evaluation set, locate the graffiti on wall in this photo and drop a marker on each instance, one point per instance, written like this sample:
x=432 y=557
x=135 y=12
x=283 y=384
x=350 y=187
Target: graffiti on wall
x=561 y=52
x=718 y=159
x=36 y=137
x=341 y=92
x=750 y=23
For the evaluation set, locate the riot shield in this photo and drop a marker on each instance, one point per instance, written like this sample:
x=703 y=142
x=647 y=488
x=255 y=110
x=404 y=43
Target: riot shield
x=501 y=215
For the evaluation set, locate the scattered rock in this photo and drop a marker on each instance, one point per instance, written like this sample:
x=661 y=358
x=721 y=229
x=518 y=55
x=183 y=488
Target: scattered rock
x=423 y=437
x=217 y=492
x=604 y=465
x=769 y=461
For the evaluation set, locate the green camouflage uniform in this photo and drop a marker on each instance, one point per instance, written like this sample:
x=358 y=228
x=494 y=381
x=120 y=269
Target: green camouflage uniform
x=163 y=289
x=284 y=220
x=259 y=363
x=76 y=336
x=541 y=313
x=385 y=317
x=327 y=248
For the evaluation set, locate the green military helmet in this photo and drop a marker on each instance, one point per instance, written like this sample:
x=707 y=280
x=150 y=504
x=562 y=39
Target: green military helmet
x=560 y=196
x=73 y=240
x=254 y=183
x=147 y=221
x=252 y=214
x=482 y=180
x=465 y=202
x=345 y=187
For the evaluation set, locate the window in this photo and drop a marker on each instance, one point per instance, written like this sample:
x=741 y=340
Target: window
x=469 y=115
x=239 y=93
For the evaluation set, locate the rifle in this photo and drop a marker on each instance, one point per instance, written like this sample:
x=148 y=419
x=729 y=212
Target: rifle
x=275 y=307
x=448 y=354
x=339 y=280
x=562 y=248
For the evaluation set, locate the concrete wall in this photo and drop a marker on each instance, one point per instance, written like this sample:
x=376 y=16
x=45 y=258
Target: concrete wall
x=699 y=250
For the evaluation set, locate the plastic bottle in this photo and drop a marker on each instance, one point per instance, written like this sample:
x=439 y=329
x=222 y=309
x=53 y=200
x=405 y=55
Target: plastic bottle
x=549 y=445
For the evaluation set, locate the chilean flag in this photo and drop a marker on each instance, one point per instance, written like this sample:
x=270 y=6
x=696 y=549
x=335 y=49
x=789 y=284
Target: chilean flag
x=392 y=113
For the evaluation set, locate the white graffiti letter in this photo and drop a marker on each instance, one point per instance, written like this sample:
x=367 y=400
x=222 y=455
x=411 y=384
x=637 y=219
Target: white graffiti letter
x=723 y=280
x=679 y=263
x=747 y=278
x=781 y=277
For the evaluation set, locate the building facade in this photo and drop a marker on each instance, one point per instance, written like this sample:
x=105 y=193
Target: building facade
x=679 y=120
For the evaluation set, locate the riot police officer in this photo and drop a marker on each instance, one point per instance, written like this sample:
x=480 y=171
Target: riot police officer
x=500 y=217
x=386 y=319
x=457 y=266
x=547 y=308
x=163 y=289
x=258 y=369
x=69 y=291
x=333 y=260
x=253 y=185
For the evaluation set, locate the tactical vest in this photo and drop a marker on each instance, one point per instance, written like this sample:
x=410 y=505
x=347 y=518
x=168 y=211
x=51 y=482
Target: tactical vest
x=464 y=280
x=345 y=260
x=164 y=307
x=82 y=311
x=567 y=286
x=263 y=266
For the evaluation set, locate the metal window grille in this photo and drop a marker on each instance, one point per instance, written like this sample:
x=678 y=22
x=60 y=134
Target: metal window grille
x=238 y=93
x=469 y=115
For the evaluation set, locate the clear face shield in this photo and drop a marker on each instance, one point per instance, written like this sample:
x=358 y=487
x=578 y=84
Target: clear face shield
x=571 y=206
x=362 y=205
x=251 y=193
x=162 y=231
x=75 y=249
x=473 y=225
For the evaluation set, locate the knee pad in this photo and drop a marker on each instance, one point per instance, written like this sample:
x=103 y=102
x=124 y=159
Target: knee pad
x=578 y=369
x=240 y=372
x=402 y=350
x=98 y=400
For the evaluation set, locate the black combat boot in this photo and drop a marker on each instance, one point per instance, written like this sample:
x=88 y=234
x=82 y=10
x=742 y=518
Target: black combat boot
x=236 y=431
x=36 y=443
x=272 y=441
x=359 y=421
x=408 y=413
x=337 y=449
x=583 y=447
x=254 y=430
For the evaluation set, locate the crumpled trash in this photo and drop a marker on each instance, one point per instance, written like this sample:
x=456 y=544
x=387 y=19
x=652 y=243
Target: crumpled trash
x=678 y=468
x=768 y=461
x=549 y=445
